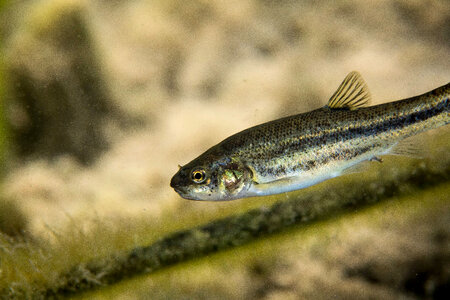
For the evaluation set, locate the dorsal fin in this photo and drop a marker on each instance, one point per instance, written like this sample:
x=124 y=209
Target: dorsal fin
x=351 y=94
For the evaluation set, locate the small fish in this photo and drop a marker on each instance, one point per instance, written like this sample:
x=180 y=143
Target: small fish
x=301 y=150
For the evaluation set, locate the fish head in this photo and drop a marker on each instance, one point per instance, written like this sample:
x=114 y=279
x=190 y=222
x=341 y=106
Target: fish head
x=210 y=179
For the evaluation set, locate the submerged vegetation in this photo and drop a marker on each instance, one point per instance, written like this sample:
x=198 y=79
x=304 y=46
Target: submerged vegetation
x=3 y=131
x=52 y=277
x=383 y=259
x=106 y=98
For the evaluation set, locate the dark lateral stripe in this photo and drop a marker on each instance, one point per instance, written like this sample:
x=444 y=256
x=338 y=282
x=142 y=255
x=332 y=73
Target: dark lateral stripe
x=362 y=131
x=346 y=154
x=342 y=154
x=396 y=124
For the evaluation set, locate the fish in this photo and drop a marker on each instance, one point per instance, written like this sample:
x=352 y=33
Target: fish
x=302 y=150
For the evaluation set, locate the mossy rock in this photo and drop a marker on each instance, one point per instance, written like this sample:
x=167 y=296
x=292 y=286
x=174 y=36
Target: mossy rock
x=3 y=135
x=12 y=220
x=59 y=100
x=3 y=129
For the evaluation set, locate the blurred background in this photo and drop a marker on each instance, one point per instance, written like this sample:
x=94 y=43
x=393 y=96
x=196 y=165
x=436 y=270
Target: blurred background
x=101 y=100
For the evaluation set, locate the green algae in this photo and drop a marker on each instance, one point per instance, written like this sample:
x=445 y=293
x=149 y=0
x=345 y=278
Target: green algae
x=192 y=278
x=302 y=209
x=111 y=252
x=3 y=129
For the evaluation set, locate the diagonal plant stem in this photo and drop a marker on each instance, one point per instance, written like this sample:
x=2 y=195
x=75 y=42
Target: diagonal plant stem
x=239 y=229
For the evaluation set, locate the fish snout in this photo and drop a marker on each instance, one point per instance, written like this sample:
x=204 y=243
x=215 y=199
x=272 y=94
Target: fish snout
x=178 y=183
x=175 y=181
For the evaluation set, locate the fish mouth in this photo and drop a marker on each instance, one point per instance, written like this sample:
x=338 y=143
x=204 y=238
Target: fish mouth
x=175 y=183
x=183 y=193
x=176 y=187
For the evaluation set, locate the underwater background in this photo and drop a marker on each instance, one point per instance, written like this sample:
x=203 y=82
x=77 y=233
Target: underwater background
x=100 y=101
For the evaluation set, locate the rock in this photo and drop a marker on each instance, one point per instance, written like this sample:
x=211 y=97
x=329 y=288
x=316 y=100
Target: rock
x=13 y=222
x=59 y=101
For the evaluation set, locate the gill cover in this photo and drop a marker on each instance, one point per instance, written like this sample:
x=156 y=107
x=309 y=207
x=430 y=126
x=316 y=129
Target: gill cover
x=235 y=178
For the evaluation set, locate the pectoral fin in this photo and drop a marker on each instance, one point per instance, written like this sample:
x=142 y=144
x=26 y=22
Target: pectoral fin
x=272 y=187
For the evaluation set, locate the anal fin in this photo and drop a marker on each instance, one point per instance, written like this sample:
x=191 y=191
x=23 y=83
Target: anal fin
x=411 y=147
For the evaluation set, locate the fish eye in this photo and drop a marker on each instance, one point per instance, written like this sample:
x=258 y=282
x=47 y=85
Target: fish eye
x=198 y=175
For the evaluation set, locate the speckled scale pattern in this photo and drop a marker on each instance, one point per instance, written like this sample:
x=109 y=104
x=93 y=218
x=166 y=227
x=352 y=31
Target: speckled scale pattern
x=309 y=141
